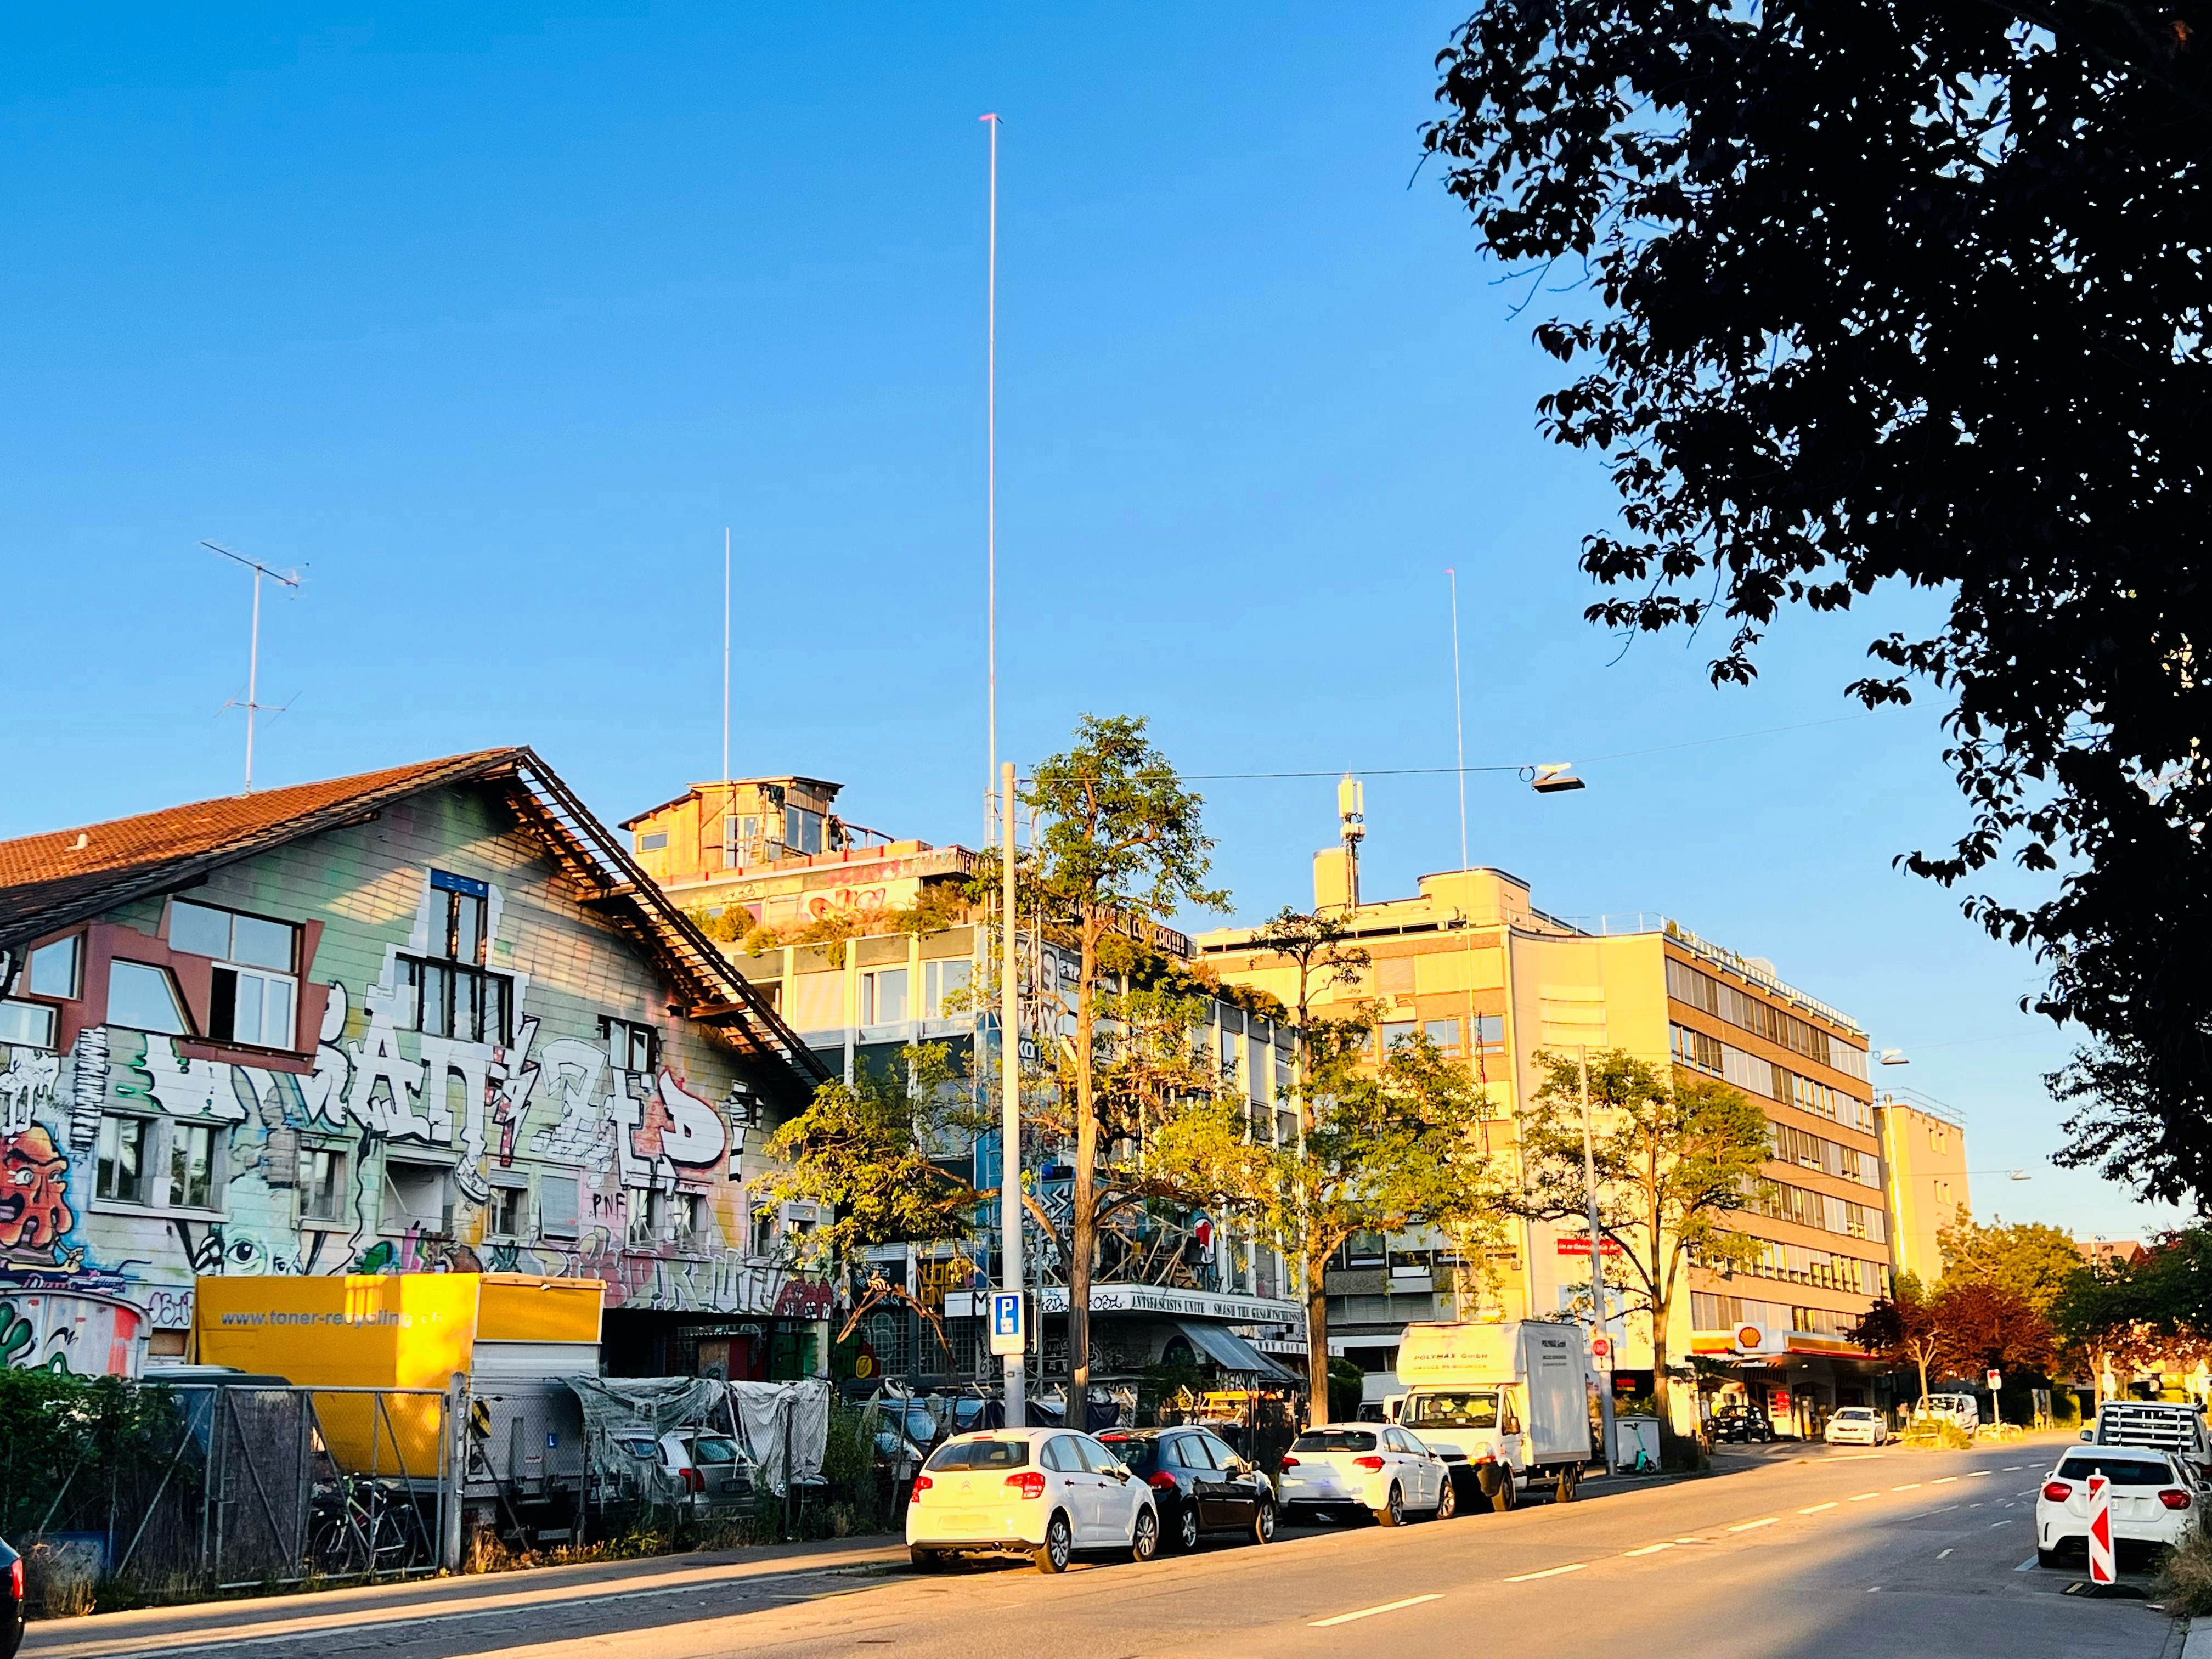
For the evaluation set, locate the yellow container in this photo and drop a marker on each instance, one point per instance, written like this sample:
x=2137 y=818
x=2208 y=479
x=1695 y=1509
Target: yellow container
x=382 y=1331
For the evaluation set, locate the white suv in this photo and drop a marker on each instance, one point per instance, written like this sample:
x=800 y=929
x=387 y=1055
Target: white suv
x=2155 y=1499
x=1046 y=1493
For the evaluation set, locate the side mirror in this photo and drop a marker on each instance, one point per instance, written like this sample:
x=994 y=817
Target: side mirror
x=2088 y=1434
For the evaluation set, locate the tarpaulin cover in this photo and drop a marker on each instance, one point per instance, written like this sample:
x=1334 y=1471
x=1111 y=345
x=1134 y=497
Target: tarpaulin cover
x=772 y=1416
x=657 y=1404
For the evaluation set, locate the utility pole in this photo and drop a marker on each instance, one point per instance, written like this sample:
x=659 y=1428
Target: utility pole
x=1597 y=1264
x=725 y=664
x=991 y=480
x=1010 y=1104
x=253 y=651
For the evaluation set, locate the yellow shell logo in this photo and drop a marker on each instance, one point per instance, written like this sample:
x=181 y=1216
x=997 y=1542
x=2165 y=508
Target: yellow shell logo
x=1749 y=1336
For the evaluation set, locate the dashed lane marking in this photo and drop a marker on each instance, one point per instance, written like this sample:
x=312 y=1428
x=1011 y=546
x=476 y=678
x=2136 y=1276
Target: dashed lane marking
x=1940 y=1554
x=1945 y=1481
x=1524 y=1577
x=1648 y=1549
x=1994 y=1525
x=1861 y=1497
x=1764 y=1521
x=1905 y=1486
x=1814 y=1508
x=1368 y=1613
x=1979 y=1474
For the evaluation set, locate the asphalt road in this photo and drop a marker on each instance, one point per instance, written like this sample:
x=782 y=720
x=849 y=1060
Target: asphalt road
x=1792 y=1553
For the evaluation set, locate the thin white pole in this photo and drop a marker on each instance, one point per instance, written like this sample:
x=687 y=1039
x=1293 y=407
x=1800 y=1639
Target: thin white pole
x=1010 y=1100
x=1598 y=1267
x=991 y=472
x=253 y=678
x=1459 y=719
x=726 y=655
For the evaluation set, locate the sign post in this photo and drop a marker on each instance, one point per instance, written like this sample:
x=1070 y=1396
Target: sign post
x=2101 y=1530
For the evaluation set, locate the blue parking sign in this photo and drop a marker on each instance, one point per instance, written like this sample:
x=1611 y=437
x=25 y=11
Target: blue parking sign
x=1007 y=1335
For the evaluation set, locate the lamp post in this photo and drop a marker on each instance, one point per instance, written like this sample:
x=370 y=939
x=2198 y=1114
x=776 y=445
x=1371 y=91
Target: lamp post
x=1597 y=1260
x=1009 y=1098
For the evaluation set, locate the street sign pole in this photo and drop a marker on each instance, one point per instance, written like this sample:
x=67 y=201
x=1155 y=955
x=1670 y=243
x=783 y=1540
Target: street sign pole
x=2101 y=1530
x=1010 y=1101
x=1597 y=1273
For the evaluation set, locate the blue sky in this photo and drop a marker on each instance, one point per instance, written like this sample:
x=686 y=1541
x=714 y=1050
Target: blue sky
x=491 y=318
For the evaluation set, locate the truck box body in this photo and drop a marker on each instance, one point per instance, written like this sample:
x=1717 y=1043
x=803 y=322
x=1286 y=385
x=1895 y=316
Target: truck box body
x=1543 y=1360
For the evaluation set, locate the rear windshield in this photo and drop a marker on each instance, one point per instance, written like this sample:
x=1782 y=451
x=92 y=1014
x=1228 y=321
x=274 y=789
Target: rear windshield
x=1329 y=1440
x=1141 y=1455
x=710 y=1448
x=981 y=1454
x=1855 y=1414
x=2120 y=1471
x=1474 y=1409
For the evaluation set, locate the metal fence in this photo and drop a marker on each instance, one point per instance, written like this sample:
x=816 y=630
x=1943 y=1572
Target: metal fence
x=278 y=1485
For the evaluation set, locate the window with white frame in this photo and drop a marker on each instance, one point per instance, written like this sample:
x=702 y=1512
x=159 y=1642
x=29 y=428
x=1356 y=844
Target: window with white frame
x=447 y=992
x=505 y=1213
x=26 y=1025
x=631 y=1047
x=123 y=1165
x=943 y=982
x=324 y=1191
x=253 y=992
x=882 y=997
x=142 y=997
x=192 y=1166
x=418 y=1195
x=57 y=968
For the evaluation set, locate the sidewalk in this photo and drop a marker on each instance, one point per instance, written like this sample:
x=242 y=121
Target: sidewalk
x=231 y=1623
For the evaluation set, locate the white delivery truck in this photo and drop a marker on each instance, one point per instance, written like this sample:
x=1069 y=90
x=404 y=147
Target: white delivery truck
x=1507 y=1405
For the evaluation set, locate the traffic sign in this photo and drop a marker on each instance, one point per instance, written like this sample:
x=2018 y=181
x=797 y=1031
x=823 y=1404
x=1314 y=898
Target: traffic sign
x=1996 y=1380
x=1602 y=1351
x=1009 y=1330
x=2101 y=1530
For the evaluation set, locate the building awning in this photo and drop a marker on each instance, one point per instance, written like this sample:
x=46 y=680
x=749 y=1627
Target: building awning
x=1232 y=1353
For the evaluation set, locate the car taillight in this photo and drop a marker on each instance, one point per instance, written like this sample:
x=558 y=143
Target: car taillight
x=1288 y=1463
x=1162 y=1481
x=1029 y=1483
x=1373 y=1463
x=922 y=1483
x=2174 y=1499
x=2057 y=1490
x=15 y=1578
x=693 y=1480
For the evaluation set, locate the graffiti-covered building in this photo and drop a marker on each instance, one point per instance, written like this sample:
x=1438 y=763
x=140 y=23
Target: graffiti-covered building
x=429 y=1018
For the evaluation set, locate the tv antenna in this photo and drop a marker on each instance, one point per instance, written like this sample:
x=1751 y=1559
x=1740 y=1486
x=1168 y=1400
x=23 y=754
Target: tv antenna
x=290 y=579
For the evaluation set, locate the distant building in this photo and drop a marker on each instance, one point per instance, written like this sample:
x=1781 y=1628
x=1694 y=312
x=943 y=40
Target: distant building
x=1472 y=963
x=426 y=1018
x=2116 y=1252
x=1923 y=1147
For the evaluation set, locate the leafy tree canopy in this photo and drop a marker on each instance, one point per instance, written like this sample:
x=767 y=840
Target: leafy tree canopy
x=1886 y=291
x=2028 y=1258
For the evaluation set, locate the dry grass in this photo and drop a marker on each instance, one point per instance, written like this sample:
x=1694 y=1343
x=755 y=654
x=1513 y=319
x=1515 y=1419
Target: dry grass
x=55 y=1586
x=2184 y=1577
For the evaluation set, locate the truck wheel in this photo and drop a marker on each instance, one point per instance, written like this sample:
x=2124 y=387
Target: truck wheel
x=1506 y=1495
x=1392 y=1512
x=1570 y=1477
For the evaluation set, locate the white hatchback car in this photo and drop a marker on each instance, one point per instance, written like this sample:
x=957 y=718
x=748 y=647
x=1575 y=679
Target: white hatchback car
x=1378 y=1467
x=1855 y=1426
x=1047 y=1494
x=2154 y=1497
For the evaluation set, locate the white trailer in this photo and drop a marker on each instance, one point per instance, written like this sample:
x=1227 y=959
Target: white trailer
x=1506 y=1406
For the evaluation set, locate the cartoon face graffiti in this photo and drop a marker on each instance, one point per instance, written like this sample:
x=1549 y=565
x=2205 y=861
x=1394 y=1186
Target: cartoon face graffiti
x=34 y=1211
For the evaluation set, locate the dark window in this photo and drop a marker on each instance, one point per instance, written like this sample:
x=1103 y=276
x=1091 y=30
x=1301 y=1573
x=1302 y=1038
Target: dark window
x=1142 y=1456
x=1199 y=1453
x=2120 y=1471
x=630 y=1046
x=1336 y=1440
x=444 y=1000
x=125 y=1168
x=981 y=1454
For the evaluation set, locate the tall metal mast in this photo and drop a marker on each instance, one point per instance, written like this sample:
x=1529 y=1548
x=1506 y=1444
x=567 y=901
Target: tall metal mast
x=252 y=705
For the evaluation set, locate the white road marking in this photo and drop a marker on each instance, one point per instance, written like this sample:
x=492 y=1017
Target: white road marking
x=1861 y=1497
x=1648 y=1549
x=1994 y=1525
x=1871 y=1589
x=1940 y=1554
x=1945 y=1481
x=1746 y=1525
x=1976 y=1475
x=1387 y=1606
x=1906 y=1485
x=1516 y=1578
x=2026 y=1564
x=1814 y=1508
x=2012 y=1468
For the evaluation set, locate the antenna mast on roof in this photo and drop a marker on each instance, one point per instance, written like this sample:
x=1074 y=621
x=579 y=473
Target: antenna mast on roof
x=726 y=656
x=290 y=579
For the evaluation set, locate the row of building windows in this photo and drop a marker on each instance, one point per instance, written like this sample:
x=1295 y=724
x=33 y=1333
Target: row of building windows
x=1709 y=1312
x=1747 y=1012
x=1812 y=1151
x=1830 y=1214
x=1798 y=1264
x=1703 y=1053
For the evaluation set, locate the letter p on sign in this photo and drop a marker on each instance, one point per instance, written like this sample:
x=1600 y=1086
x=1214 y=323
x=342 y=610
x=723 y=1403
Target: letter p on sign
x=2101 y=1530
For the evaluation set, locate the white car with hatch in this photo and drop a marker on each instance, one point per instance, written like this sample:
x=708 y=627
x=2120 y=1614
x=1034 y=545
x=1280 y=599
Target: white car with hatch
x=1855 y=1426
x=1050 y=1494
x=2154 y=1498
x=1335 y=1467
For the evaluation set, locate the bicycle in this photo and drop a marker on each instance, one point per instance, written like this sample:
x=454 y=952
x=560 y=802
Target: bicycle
x=359 y=1527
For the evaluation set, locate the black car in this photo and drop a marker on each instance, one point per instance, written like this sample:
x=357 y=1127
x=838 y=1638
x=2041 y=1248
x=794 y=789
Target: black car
x=1199 y=1484
x=11 y=1609
x=1743 y=1423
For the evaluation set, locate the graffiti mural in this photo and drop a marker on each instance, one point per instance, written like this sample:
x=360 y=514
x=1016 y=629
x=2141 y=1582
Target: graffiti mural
x=396 y=1150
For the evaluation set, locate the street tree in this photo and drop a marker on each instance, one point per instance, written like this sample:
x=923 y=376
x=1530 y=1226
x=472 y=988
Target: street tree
x=1121 y=847
x=1393 y=1143
x=1676 y=1155
x=1874 y=295
x=1985 y=1327
x=1902 y=1327
x=2029 y=1258
x=2151 y=1314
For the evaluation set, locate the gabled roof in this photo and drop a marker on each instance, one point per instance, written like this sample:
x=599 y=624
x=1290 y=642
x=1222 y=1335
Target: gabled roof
x=49 y=881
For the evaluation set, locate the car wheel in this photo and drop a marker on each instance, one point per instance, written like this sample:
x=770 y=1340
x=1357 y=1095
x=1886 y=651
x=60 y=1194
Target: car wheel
x=926 y=1560
x=1263 y=1524
x=1392 y=1512
x=1144 y=1537
x=1448 y=1499
x=1508 y=1493
x=1187 y=1526
x=1052 y=1555
x=1570 y=1477
x=2045 y=1558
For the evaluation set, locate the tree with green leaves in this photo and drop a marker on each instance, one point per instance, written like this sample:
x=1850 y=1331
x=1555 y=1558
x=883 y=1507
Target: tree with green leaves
x=1864 y=295
x=2153 y=1314
x=1121 y=846
x=1676 y=1157
x=1902 y=1327
x=1392 y=1143
x=2028 y=1258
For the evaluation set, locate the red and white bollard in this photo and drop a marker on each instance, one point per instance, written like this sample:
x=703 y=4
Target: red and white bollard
x=2101 y=1530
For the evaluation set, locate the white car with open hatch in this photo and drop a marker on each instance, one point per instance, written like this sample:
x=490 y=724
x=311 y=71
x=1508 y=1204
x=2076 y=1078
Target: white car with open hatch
x=1050 y=1494
x=1336 y=1467
x=2153 y=1495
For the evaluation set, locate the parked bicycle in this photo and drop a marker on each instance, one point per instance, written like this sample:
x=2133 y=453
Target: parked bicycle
x=359 y=1527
